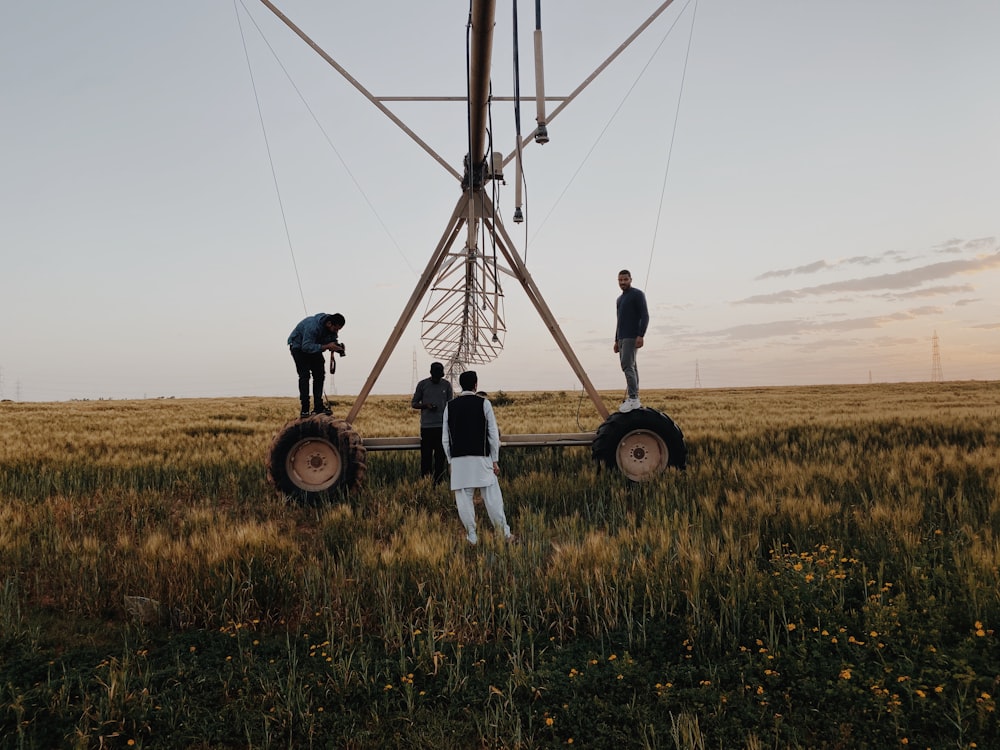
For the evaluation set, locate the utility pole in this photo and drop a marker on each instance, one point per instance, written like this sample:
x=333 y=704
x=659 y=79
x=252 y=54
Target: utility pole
x=697 y=375
x=936 y=375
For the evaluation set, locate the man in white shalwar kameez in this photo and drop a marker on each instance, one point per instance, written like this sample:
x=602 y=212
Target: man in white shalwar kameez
x=471 y=443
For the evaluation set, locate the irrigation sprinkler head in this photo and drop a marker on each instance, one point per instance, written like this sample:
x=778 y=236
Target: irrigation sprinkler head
x=518 y=215
x=541 y=134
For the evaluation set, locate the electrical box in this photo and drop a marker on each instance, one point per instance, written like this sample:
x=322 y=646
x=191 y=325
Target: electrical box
x=496 y=166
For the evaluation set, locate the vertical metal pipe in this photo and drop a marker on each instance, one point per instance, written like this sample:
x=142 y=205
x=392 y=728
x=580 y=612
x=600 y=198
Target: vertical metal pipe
x=483 y=21
x=542 y=132
x=518 y=200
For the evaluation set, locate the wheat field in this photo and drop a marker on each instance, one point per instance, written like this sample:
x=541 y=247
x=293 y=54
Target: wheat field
x=825 y=574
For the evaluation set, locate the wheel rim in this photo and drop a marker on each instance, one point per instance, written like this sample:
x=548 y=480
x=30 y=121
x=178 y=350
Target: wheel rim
x=641 y=455
x=314 y=464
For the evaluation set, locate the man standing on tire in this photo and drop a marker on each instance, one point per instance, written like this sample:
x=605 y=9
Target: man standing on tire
x=431 y=397
x=307 y=342
x=471 y=442
x=633 y=318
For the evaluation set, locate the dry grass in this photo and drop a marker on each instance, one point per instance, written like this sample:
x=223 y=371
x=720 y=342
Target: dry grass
x=806 y=514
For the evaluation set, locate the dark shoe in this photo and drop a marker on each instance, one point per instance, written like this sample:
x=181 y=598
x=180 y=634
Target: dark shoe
x=325 y=410
x=303 y=414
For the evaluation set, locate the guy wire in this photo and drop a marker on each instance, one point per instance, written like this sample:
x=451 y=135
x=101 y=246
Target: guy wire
x=267 y=145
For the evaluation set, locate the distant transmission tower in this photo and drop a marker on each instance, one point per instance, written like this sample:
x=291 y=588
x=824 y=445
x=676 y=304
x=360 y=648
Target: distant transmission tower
x=936 y=375
x=413 y=377
x=697 y=375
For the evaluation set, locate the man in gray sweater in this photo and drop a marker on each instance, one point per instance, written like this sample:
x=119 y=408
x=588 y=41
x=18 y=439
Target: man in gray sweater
x=430 y=397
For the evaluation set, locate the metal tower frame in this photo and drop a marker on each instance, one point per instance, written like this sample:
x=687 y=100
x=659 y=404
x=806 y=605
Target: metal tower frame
x=457 y=329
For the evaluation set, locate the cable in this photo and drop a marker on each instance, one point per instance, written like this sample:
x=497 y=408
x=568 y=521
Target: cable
x=496 y=196
x=267 y=144
x=670 y=148
x=579 y=405
x=330 y=143
x=519 y=170
x=612 y=119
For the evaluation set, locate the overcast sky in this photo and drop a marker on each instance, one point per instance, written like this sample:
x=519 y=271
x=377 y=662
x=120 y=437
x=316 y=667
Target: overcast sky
x=832 y=198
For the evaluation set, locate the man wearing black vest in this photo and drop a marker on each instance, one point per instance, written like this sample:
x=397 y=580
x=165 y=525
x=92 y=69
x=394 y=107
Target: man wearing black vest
x=471 y=443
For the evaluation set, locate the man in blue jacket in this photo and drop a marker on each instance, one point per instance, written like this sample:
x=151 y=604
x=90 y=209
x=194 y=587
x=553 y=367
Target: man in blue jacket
x=633 y=318
x=307 y=342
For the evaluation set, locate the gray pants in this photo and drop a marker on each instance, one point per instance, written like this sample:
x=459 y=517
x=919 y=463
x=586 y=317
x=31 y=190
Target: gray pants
x=626 y=354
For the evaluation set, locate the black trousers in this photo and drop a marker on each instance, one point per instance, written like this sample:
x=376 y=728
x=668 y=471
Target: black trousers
x=432 y=458
x=306 y=365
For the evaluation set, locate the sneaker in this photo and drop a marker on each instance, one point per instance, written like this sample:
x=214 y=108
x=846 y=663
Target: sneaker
x=629 y=404
x=303 y=415
x=325 y=410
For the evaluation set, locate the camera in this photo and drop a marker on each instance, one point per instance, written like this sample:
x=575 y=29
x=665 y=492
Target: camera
x=343 y=350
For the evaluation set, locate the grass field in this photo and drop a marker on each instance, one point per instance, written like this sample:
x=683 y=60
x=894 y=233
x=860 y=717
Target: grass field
x=825 y=574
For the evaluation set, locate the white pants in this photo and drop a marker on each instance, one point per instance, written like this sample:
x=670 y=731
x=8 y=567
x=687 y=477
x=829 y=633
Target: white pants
x=492 y=498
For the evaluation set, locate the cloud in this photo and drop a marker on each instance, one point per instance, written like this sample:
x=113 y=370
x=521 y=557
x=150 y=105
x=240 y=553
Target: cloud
x=819 y=265
x=931 y=291
x=900 y=280
x=862 y=260
x=981 y=243
x=953 y=245
x=964 y=302
x=801 y=326
x=898 y=257
x=987 y=326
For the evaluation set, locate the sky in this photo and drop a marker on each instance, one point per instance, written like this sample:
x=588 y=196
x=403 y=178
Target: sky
x=807 y=193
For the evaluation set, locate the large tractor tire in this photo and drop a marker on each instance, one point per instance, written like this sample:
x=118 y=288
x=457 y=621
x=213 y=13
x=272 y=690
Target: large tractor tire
x=641 y=443
x=312 y=458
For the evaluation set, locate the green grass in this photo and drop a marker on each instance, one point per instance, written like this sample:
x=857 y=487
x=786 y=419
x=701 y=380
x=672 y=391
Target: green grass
x=826 y=574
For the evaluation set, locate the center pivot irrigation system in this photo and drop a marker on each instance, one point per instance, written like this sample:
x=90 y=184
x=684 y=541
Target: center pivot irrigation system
x=463 y=324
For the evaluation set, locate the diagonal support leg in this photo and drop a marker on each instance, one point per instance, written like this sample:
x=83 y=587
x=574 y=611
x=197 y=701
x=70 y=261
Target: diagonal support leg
x=455 y=225
x=520 y=272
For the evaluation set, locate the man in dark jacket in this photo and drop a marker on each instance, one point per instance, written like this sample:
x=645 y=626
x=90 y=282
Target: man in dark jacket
x=307 y=342
x=633 y=318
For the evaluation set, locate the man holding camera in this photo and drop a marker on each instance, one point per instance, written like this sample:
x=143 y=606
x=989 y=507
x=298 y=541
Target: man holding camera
x=307 y=342
x=430 y=397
